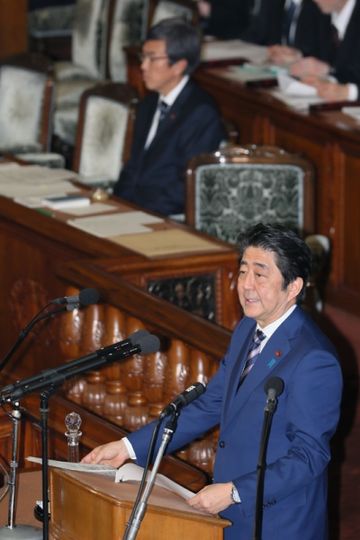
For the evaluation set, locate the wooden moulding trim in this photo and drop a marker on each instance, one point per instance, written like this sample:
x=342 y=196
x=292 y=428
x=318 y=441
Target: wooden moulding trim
x=155 y=312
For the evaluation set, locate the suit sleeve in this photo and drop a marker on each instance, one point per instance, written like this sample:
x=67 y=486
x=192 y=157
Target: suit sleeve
x=309 y=413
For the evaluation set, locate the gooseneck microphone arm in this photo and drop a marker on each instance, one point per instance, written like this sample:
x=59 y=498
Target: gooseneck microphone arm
x=66 y=303
x=39 y=317
x=273 y=388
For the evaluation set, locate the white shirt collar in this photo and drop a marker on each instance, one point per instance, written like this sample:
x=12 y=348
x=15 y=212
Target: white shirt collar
x=173 y=94
x=272 y=327
x=340 y=19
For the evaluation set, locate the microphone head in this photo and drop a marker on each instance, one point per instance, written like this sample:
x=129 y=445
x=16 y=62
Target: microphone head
x=148 y=343
x=88 y=297
x=275 y=385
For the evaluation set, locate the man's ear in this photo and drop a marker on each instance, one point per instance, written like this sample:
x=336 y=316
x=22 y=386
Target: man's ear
x=295 y=287
x=180 y=66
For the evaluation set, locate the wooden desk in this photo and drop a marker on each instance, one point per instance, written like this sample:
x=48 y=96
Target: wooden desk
x=331 y=141
x=13 y=27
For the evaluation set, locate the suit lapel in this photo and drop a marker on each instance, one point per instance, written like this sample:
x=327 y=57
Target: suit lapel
x=174 y=115
x=274 y=354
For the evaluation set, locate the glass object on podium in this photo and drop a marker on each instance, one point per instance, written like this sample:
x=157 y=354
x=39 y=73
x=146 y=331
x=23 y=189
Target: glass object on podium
x=73 y=434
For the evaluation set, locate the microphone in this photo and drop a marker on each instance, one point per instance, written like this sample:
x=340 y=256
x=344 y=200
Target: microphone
x=140 y=342
x=273 y=387
x=187 y=396
x=86 y=297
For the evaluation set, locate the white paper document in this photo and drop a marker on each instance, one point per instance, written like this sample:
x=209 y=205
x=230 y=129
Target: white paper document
x=132 y=472
x=116 y=224
x=354 y=112
x=80 y=467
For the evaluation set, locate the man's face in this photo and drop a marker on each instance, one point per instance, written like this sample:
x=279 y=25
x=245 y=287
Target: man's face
x=330 y=6
x=260 y=287
x=158 y=74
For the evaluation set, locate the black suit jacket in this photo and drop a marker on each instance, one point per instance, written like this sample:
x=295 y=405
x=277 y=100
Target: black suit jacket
x=155 y=178
x=266 y=28
x=345 y=59
x=228 y=19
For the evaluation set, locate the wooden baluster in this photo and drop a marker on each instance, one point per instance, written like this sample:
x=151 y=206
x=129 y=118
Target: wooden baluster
x=201 y=452
x=154 y=375
x=115 y=402
x=137 y=411
x=70 y=329
x=92 y=334
x=133 y=368
x=94 y=392
x=114 y=331
x=176 y=375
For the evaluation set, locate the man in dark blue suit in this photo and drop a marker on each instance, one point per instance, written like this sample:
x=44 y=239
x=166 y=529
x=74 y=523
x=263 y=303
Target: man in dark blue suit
x=336 y=53
x=174 y=123
x=274 y=270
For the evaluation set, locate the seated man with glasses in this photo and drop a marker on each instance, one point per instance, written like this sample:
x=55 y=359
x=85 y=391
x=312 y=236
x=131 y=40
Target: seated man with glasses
x=175 y=122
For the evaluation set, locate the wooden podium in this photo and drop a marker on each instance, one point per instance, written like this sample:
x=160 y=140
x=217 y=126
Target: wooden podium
x=89 y=506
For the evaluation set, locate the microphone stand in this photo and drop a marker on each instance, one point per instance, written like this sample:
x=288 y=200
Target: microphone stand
x=138 y=513
x=261 y=466
x=12 y=531
x=47 y=382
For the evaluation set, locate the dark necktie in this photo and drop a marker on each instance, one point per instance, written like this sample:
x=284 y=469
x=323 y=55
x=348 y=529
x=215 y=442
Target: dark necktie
x=163 y=108
x=253 y=353
x=288 y=17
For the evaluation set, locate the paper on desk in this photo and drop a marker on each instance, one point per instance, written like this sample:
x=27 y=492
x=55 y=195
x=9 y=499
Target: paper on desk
x=80 y=467
x=116 y=224
x=354 y=112
x=130 y=471
x=233 y=48
x=22 y=190
x=167 y=242
x=35 y=174
x=93 y=208
x=292 y=87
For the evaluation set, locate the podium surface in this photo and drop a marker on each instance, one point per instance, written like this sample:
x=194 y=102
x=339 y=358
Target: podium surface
x=92 y=506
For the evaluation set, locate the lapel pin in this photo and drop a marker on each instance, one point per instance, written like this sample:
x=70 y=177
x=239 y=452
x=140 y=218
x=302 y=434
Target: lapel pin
x=277 y=354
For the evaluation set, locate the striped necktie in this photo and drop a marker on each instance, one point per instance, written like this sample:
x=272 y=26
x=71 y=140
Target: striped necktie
x=253 y=353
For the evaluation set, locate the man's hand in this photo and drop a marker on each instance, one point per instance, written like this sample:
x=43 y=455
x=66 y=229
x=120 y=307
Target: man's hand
x=282 y=55
x=204 y=9
x=212 y=499
x=114 y=453
x=309 y=67
x=328 y=90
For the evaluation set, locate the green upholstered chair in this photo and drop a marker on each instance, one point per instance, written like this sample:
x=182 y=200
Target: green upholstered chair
x=238 y=186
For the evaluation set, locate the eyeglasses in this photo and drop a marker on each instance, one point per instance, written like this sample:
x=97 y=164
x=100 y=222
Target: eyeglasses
x=150 y=57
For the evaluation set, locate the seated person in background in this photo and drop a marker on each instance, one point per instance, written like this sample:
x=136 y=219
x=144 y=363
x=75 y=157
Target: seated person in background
x=337 y=53
x=174 y=123
x=297 y=34
x=224 y=19
x=288 y=27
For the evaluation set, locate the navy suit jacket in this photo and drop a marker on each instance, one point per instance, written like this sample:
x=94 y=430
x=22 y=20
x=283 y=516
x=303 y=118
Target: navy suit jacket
x=295 y=491
x=228 y=19
x=155 y=178
x=266 y=28
x=345 y=59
